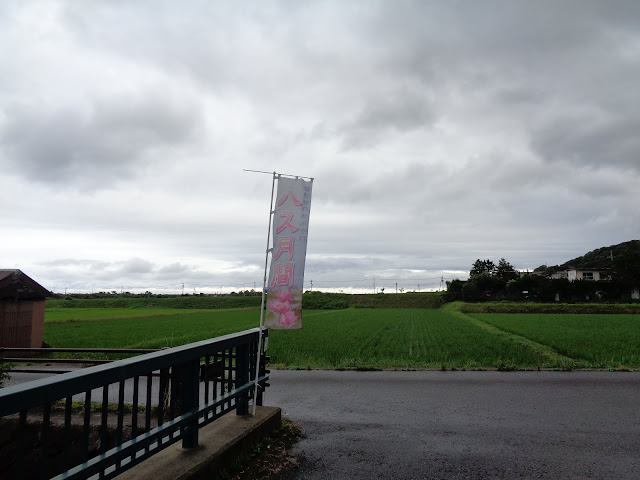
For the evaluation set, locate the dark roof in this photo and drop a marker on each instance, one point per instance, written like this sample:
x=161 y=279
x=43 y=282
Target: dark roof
x=17 y=286
x=586 y=269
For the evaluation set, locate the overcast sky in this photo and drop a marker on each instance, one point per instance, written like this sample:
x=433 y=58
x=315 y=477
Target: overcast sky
x=437 y=132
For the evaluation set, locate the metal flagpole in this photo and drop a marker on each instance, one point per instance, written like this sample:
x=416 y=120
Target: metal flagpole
x=264 y=288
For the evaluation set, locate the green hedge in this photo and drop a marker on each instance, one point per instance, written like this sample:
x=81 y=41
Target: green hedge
x=515 y=307
x=320 y=300
x=191 y=302
x=310 y=300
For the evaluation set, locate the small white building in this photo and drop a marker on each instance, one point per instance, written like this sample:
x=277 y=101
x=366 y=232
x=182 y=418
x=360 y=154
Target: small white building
x=573 y=274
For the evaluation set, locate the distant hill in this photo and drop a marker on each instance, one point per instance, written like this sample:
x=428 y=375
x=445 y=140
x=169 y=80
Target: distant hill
x=602 y=257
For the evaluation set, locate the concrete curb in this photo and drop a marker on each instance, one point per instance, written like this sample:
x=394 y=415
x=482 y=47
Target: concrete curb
x=219 y=444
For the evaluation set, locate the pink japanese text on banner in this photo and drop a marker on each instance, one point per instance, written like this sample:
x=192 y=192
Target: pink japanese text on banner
x=286 y=275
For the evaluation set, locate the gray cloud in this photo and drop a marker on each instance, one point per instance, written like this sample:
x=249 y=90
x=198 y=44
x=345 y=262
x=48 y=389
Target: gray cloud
x=76 y=262
x=94 y=145
x=595 y=142
x=175 y=269
x=135 y=266
x=134 y=274
x=386 y=114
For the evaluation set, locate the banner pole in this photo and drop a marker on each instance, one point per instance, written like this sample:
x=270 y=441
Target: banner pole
x=264 y=288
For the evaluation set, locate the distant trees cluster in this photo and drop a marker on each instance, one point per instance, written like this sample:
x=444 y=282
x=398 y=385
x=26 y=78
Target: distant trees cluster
x=247 y=293
x=491 y=281
x=486 y=280
x=503 y=270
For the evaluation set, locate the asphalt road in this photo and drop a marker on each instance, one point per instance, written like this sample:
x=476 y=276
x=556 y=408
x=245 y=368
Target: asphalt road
x=462 y=425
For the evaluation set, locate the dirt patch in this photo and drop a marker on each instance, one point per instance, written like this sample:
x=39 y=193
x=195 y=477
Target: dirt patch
x=270 y=458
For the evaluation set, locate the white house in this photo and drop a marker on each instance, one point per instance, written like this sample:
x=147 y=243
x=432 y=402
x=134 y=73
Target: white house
x=590 y=274
x=573 y=274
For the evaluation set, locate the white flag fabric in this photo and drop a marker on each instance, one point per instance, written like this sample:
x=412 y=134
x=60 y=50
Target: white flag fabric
x=286 y=275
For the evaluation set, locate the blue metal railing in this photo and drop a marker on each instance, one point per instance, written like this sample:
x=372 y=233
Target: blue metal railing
x=99 y=421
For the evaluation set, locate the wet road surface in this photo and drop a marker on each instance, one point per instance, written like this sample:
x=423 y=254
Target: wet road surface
x=462 y=425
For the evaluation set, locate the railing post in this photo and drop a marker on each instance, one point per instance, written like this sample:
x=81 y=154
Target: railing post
x=190 y=401
x=242 y=377
x=264 y=359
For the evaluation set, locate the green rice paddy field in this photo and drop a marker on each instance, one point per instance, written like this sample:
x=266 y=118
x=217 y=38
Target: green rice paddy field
x=442 y=338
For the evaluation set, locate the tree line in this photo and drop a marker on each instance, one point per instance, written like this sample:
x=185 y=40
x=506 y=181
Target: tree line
x=491 y=281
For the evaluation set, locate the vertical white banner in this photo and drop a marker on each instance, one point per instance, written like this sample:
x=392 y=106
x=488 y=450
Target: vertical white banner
x=286 y=275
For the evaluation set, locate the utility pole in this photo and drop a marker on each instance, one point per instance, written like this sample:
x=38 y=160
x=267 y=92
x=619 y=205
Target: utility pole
x=312 y=285
x=374 y=285
x=396 y=287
